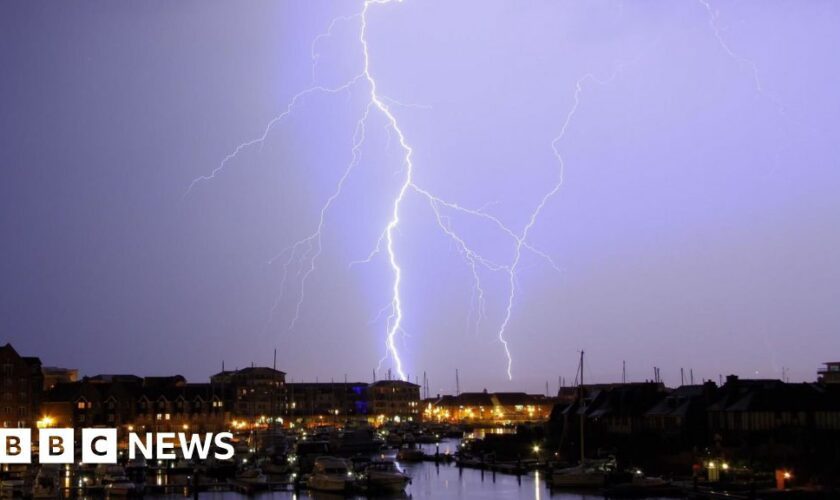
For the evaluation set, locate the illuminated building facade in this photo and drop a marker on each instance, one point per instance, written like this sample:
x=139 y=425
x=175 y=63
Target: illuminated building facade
x=258 y=393
x=499 y=408
x=317 y=402
x=395 y=400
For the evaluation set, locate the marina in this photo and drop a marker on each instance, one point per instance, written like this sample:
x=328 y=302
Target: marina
x=442 y=469
x=427 y=478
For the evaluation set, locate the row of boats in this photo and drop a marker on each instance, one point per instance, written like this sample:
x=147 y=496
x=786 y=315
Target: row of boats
x=51 y=479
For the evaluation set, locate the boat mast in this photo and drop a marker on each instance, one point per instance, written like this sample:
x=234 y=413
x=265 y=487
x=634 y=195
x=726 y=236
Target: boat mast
x=582 y=409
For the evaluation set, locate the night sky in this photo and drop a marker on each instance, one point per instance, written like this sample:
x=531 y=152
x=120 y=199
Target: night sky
x=697 y=226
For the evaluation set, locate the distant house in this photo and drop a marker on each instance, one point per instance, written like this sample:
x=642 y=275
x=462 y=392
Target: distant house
x=830 y=374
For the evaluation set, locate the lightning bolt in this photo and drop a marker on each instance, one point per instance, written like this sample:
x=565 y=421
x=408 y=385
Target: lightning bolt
x=305 y=252
x=713 y=17
x=396 y=316
x=521 y=240
x=293 y=103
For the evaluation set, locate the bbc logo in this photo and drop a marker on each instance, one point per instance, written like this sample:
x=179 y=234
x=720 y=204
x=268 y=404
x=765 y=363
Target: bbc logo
x=56 y=446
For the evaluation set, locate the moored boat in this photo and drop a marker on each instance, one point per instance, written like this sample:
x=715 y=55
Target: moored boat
x=383 y=477
x=581 y=476
x=120 y=486
x=251 y=475
x=360 y=440
x=410 y=455
x=643 y=487
x=331 y=474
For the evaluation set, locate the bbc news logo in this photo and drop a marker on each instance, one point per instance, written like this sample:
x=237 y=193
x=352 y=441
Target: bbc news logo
x=99 y=446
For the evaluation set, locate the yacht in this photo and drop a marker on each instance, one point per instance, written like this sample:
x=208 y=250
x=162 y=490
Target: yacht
x=109 y=473
x=383 y=477
x=252 y=475
x=588 y=474
x=120 y=486
x=331 y=474
x=353 y=441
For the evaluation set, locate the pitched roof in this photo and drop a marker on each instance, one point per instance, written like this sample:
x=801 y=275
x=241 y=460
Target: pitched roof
x=474 y=399
x=514 y=398
x=380 y=383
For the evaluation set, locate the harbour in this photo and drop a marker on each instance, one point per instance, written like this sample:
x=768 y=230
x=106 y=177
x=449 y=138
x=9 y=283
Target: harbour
x=442 y=469
x=428 y=478
x=620 y=440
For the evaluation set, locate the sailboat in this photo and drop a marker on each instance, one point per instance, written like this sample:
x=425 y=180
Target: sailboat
x=588 y=473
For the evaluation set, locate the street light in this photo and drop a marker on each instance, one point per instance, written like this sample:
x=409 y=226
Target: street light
x=46 y=421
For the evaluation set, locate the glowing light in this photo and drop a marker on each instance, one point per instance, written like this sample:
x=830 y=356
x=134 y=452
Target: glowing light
x=45 y=422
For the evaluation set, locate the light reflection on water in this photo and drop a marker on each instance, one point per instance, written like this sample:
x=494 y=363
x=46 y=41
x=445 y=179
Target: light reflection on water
x=446 y=482
x=443 y=481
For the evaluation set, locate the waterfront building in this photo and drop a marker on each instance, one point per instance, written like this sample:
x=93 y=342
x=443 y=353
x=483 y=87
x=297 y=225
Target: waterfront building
x=394 y=400
x=258 y=393
x=178 y=407
x=680 y=417
x=647 y=419
x=749 y=408
x=21 y=383
x=499 y=408
x=622 y=409
x=133 y=403
x=104 y=401
x=315 y=403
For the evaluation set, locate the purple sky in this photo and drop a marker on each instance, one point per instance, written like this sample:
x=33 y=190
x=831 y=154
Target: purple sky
x=698 y=225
